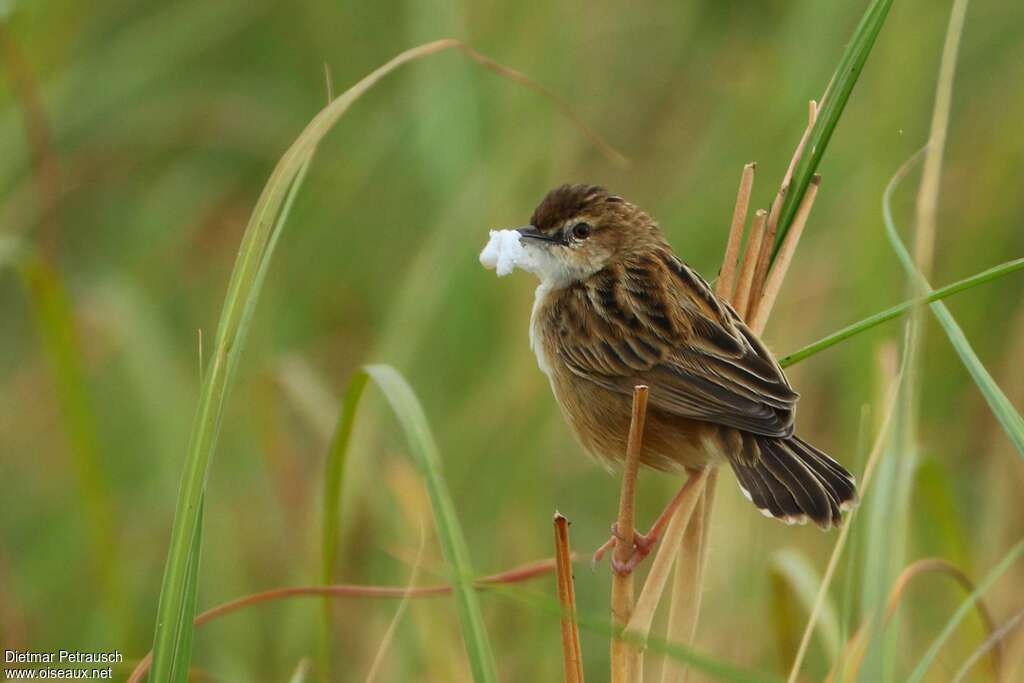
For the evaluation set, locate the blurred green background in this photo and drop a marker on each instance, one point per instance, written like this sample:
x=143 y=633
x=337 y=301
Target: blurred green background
x=165 y=120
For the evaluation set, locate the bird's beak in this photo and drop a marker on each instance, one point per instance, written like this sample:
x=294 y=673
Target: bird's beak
x=531 y=233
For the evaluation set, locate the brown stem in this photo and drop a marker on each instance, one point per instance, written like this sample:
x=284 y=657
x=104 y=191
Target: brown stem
x=727 y=274
x=572 y=654
x=625 y=658
x=770 y=291
x=743 y=297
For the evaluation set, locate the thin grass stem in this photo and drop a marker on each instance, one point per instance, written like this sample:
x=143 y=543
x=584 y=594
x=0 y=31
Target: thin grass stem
x=899 y=309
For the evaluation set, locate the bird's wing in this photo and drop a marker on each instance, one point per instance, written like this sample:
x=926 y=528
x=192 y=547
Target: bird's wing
x=657 y=322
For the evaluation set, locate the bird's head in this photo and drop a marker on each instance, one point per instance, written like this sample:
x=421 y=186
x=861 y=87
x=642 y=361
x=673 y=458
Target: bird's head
x=578 y=230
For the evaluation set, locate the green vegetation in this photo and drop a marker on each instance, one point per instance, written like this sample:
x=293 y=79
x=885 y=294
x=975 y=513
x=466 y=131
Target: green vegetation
x=136 y=140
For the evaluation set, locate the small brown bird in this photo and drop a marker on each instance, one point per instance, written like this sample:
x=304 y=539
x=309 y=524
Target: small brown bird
x=616 y=308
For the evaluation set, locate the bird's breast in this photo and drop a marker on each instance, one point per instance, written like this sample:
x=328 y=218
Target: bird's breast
x=537 y=341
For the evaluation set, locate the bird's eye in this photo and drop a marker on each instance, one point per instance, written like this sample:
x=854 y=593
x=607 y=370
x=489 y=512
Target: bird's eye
x=581 y=231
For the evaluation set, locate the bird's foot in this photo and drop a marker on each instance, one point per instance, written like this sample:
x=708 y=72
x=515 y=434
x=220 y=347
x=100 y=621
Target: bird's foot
x=643 y=544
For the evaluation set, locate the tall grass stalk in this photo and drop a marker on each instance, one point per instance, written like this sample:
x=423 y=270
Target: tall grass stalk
x=425 y=454
x=171 y=652
x=333 y=473
x=846 y=75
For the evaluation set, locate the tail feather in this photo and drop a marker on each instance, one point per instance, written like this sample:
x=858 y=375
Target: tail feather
x=793 y=481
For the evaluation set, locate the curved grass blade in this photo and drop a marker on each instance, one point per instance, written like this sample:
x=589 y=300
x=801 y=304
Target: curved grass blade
x=413 y=420
x=899 y=309
x=922 y=666
x=1006 y=414
x=258 y=242
x=793 y=573
x=850 y=66
x=335 y=468
x=172 y=642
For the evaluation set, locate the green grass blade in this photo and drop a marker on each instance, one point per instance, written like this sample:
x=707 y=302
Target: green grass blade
x=929 y=656
x=413 y=420
x=792 y=573
x=335 y=468
x=172 y=640
x=846 y=75
x=1006 y=414
x=181 y=663
x=173 y=612
x=899 y=309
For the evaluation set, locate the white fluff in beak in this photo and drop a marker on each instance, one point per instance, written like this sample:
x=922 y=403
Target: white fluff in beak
x=504 y=252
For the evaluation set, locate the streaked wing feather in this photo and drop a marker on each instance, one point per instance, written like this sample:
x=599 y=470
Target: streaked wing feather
x=659 y=323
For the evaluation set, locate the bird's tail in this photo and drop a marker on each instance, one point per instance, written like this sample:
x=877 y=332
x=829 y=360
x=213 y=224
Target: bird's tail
x=793 y=481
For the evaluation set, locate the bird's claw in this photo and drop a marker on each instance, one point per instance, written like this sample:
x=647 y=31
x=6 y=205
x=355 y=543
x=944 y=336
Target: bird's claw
x=643 y=544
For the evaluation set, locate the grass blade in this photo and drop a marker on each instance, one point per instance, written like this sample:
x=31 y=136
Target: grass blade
x=793 y=573
x=173 y=613
x=336 y=456
x=922 y=666
x=846 y=75
x=181 y=664
x=409 y=412
x=173 y=637
x=1008 y=417
x=899 y=309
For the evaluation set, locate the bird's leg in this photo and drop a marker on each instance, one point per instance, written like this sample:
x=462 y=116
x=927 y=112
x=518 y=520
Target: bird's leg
x=643 y=544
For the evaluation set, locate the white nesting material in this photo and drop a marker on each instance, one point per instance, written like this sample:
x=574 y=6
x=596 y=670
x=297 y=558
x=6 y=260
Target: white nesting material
x=504 y=252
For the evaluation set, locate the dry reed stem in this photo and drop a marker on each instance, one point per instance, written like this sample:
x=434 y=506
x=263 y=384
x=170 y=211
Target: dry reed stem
x=657 y=577
x=750 y=301
x=764 y=259
x=741 y=300
x=727 y=274
x=687 y=588
x=625 y=657
x=684 y=607
x=764 y=255
x=812 y=116
x=572 y=654
x=759 y=317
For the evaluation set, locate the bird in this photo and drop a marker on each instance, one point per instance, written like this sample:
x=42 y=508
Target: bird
x=616 y=308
